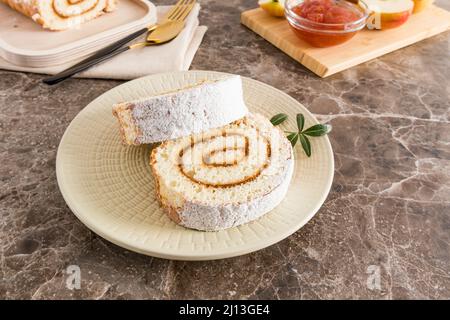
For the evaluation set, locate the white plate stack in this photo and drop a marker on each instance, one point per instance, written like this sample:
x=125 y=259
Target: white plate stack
x=25 y=43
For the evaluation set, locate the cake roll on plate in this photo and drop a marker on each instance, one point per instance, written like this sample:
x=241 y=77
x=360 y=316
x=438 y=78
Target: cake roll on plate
x=193 y=109
x=62 y=14
x=223 y=177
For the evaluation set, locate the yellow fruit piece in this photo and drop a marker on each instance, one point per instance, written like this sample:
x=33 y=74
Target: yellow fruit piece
x=419 y=5
x=273 y=7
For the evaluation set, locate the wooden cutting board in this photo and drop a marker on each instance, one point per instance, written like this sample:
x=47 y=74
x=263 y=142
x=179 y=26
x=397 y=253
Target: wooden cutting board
x=366 y=45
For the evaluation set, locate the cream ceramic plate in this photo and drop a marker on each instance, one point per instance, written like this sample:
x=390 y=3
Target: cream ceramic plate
x=25 y=43
x=110 y=187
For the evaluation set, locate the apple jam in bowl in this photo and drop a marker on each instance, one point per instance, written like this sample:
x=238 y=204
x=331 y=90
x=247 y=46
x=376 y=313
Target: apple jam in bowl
x=325 y=23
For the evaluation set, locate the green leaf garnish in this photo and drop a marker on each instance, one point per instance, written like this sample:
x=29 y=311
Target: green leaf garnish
x=293 y=138
x=300 y=122
x=278 y=119
x=318 y=130
x=306 y=145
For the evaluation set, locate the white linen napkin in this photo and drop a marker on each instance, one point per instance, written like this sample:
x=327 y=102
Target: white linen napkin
x=176 y=55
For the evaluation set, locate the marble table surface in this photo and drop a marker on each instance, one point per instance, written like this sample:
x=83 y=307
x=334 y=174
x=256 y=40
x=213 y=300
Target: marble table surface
x=383 y=232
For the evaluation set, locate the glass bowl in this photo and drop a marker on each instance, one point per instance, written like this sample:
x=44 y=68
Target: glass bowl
x=320 y=34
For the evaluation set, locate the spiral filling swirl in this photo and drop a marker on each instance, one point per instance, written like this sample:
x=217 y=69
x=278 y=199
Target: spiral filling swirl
x=73 y=8
x=225 y=159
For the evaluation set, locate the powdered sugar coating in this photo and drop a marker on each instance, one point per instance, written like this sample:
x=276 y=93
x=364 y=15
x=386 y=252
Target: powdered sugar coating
x=194 y=110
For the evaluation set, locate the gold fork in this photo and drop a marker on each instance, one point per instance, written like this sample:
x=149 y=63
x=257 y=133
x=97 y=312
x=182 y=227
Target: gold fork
x=169 y=27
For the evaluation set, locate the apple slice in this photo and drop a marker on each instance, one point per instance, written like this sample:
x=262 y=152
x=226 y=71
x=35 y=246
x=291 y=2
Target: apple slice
x=387 y=14
x=273 y=7
x=419 y=5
